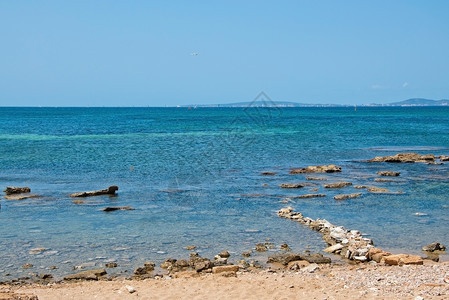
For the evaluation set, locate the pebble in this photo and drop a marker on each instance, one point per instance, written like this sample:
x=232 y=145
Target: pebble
x=130 y=289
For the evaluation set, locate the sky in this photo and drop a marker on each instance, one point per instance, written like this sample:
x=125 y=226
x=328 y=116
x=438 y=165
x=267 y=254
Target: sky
x=165 y=53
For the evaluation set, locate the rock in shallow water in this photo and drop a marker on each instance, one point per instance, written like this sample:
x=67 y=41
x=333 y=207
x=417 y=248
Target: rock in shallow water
x=405 y=158
x=434 y=247
x=317 y=169
x=337 y=185
x=388 y=173
x=109 y=191
x=347 y=196
x=16 y=190
x=87 y=275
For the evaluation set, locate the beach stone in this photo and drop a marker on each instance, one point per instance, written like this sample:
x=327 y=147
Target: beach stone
x=147 y=268
x=317 y=169
x=203 y=264
x=283 y=258
x=261 y=247
x=87 y=275
x=333 y=248
x=17 y=296
x=221 y=269
x=130 y=289
x=109 y=191
x=297 y=265
x=247 y=253
x=388 y=173
x=338 y=233
x=311 y=268
x=27 y=266
x=434 y=247
x=186 y=274
x=337 y=185
x=111 y=265
x=16 y=190
x=402 y=259
x=285 y=247
x=169 y=262
x=291 y=185
x=268 y=173
x=224 y=254
x=405 y=158
x=347 y=196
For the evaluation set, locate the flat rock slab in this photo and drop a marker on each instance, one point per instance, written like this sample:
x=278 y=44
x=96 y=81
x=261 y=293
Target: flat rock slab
x=114 y=208
x=317 y=169
x=347 y=196
x=292 y=185
x=87 y=275
x=388 y=173
x=21 y=196
x=333 y=248
x=221 y=269
x=405 y=158
x=109 y=191
x=337 y=185
x=307 y=196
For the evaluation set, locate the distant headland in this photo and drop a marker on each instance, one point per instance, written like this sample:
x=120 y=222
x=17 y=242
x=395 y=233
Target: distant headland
x=268 y=103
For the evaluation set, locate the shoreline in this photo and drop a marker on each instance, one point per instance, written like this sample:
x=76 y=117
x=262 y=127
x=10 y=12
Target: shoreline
x=428 y=281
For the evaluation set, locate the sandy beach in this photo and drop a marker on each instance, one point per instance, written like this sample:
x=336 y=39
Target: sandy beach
x=367 y=281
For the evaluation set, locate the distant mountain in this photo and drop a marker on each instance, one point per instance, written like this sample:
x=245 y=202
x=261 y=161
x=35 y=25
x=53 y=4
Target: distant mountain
x=269 y=103
x=420 y=102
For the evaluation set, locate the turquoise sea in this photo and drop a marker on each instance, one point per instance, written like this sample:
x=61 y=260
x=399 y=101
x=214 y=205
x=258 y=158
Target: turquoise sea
x=194 y=178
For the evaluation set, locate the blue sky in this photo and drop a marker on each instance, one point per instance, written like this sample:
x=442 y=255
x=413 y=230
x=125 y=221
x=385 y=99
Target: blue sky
x=138 y=53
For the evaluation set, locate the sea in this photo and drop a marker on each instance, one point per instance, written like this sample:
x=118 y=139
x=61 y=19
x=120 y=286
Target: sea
x=194 y=178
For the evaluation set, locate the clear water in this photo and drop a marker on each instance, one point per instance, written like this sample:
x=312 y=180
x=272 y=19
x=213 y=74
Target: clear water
x=190 y=175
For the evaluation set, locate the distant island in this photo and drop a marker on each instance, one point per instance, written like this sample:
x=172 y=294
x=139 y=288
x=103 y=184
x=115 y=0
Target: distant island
x=268 y=103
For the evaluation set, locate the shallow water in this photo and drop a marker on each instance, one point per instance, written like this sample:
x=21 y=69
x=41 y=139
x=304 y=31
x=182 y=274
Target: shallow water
x=190 y=175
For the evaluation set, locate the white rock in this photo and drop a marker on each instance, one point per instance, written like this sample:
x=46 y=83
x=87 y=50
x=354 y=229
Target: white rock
x=311 y=268
x=333 y=248
x=130 y=289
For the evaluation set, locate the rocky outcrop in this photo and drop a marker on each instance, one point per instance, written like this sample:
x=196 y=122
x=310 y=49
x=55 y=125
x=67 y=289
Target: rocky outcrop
x=292 y=185
x=317 y=169
x=114 y=208
x=109 y=191
x=87 y=275
x=378 y=190
x=347 y=196
x=405 y=158
x=388 y=173
x=434 y=247
x=16 y=190
x=444 y=157
x=147 y=268
x=337 y=185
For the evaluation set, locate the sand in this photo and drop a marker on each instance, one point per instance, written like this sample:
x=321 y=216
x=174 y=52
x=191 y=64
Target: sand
x=362 y=281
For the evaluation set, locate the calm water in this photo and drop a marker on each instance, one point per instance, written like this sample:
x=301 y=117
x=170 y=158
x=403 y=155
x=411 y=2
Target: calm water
x=190 y=175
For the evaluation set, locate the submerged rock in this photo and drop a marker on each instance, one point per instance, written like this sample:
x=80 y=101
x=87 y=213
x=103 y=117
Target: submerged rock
x=388 y=173
x=405 y=158
x=307 y=196
x=20 y=196
x=113 y=208
x=109 y=191
x=379 y=190
x=317 y=169
x=283 y=258
x=434 y=247
x=292 y=185
x=316 y=178
x=347 y=196
x=444 y=157
x=16 y=190
x=268 y=173
x=337 y=185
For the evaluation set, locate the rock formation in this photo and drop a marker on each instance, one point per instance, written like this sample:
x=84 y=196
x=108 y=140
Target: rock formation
x=109 y=191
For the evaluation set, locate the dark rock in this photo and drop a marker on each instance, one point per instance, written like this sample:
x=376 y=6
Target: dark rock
x=113 y=208
x=169 y=262
x=203 y=264
x=111 y=265
x=434 y=247
x=16 y=190
x=261 y=247
x=147 y=268
x=285 y=247
x=247 y=253
x=317 y=169
x=224 y=254
x=268 y=173
x=444 y=157
x=347 y=196
x=292 y=185
x=316 y=178
x=337 y=185
x=283 y=258
x=316 y=258
x=87 y=275
x=45 y=276
x=405 y=158
x=388 y=173
x=109 y=191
